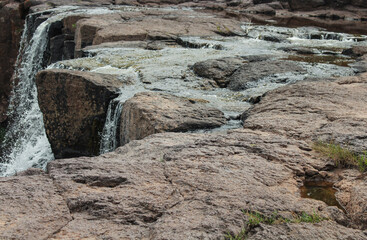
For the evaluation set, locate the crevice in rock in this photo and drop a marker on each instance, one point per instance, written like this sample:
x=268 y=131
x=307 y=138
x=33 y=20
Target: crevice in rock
x=101 y=181
x=60 y=190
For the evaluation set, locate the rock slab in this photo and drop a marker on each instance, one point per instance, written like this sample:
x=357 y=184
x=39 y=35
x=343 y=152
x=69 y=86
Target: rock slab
x=322 y=110
x=74 y=106
x=148 y=113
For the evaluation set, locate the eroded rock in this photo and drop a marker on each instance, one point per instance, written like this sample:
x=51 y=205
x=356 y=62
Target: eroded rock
x=74 y=106
x=149 y=113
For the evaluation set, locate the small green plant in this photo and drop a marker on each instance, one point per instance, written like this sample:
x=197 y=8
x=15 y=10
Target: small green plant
x=342 y=157
x=73 y=25
x=308 y=218
x=362 y=162
x=240 y=236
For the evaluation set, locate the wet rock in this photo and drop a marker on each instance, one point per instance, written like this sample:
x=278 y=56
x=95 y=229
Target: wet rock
x=301 y=50
x=149 y=113
x=310 y=5
x=254 y=71
x=218 y=69
x=257 y=58
x=261 y=9
x=11 y=25
x=74 y=106
x=305 y=4
x=355 y=51
x=359 y=3
x=273 y=38
x=316 y=110
x=31 y=208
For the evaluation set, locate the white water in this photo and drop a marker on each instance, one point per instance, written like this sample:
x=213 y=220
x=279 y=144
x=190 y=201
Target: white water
x=109 y=134
x=26 y=137
x=26 y=144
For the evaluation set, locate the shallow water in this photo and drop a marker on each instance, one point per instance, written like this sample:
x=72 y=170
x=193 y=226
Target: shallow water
x=322 y=191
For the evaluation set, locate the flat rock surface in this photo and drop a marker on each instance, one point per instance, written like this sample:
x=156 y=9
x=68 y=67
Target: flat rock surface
x=190 y=186
x=148 y=113
x=320 y=110
x=31 y=208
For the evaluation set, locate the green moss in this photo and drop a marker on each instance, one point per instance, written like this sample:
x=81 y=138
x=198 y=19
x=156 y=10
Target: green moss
x=342 y=156
x=256 y=218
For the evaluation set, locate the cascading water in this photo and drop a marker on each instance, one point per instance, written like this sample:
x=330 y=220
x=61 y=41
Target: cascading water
x=109 y=134
x=26 y=144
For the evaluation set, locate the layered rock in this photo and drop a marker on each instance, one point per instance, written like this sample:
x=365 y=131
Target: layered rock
x=150 y=25
x=325 y=110
x=148 y=113
x=74 y=106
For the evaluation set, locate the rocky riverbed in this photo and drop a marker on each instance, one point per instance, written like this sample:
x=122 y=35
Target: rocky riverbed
x=185 y=120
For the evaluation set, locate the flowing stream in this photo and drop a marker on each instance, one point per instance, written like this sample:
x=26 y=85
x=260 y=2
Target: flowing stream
x=167 y=70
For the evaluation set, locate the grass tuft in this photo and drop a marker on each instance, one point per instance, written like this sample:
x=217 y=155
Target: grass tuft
x=342 y=157
x=256 y=218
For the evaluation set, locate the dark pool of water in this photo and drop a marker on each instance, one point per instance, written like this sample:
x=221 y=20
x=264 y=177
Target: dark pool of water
x=322 y=191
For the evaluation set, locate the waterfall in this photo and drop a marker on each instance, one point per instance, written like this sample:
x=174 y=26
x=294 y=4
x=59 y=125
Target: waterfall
x=26 y=144
x=110 y=130
x=109 y=133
